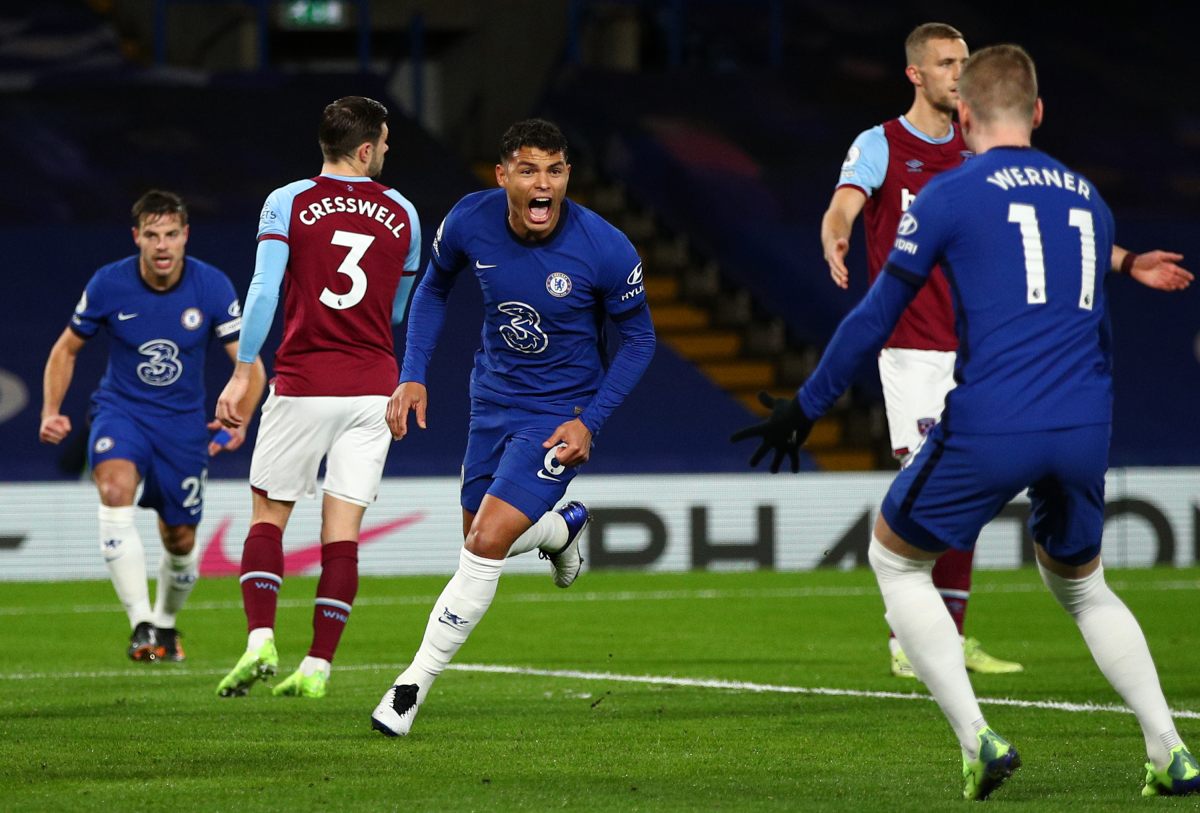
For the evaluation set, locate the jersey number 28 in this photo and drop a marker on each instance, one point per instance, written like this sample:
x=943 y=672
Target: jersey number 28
x=358 y=245
x=1025 y=216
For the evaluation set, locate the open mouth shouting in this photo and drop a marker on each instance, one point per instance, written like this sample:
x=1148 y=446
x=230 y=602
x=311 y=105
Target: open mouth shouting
x=540 y=210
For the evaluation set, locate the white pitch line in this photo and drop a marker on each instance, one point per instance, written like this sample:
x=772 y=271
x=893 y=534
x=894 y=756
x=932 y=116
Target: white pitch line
x=654 y=680
x=620 y=595
x=743 y=686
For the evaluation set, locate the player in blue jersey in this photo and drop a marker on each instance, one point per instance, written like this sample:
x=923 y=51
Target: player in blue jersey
x=552 y=274
x=885 y=169
x=160 y=309
x=1024 y=243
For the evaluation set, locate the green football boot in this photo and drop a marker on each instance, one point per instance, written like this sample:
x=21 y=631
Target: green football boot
x=984 y=664
x=901 y=666
x=996 y=762
x=253 y=665
x=1179 y=778
x=298 y=684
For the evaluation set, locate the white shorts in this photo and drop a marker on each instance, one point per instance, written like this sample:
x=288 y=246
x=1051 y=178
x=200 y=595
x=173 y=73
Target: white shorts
x=915 y=384
x=296 y=432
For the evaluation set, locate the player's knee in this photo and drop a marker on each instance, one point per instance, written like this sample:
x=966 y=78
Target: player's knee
x=116 y=490
x=487 y=541
x=179 y=540
x=891 y=567
x=1076 y=595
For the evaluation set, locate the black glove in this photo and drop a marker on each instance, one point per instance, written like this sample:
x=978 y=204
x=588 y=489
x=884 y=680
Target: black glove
x=784 y=431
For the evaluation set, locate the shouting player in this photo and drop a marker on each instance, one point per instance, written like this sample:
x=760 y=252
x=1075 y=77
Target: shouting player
x=1024 y=242
x=349 y=248
x=541 y=389
x=884 y=170
x=160 y=307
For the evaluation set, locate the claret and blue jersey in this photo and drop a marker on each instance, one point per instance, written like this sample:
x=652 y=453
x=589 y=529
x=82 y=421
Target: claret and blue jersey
x=545 y=304
x=1025 y=243
x=348 y=248
x=159 y=338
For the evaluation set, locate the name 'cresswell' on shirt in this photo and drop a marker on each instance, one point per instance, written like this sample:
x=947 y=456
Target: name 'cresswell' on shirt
x=327 y=206
x=1014 y=177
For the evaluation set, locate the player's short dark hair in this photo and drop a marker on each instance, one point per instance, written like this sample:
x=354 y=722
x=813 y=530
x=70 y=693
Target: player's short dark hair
x=914 y=45
x=539 y=133
x=156 y=203
x=348 y=123
x=1000 y=81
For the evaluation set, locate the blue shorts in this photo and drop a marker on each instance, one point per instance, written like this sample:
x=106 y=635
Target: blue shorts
x=171 y=455
x=505 y=458
x=956 y=484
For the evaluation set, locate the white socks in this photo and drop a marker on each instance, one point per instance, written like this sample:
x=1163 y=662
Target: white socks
x=311 y=665
x=121 y=546
x=177 y=576
x=457 y=611
x=259 y=636
x=548 y=533
x=918 y=617
x=1119 y=647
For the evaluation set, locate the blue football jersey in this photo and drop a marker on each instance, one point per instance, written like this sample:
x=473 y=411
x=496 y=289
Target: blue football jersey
x=545 y=302
x=159 y=338
x=1025 y=244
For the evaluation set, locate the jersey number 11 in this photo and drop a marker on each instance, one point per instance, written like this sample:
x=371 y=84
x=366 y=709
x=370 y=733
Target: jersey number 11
x=1025 y=216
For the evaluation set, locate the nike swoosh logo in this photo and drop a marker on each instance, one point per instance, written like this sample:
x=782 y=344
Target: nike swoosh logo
x=215 y=562
x=545 y=476
x=121 y=317
x=481 y=266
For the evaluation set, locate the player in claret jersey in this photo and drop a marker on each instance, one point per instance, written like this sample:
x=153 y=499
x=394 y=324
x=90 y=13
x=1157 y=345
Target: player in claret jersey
x=553 y=273
x=1024 y=242
x=884 y=170
x=348 y=248
x=160 y=309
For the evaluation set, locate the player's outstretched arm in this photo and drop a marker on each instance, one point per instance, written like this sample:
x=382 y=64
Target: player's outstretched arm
x=60 y=369
x=574 y=442
x=839 y=219
x=409 y=396
x=784 y=432
x=1155 y=269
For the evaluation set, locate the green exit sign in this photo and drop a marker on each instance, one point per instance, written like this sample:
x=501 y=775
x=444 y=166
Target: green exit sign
x=314 y=13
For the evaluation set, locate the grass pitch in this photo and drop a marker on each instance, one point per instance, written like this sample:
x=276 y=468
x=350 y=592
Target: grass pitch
x=702 y=691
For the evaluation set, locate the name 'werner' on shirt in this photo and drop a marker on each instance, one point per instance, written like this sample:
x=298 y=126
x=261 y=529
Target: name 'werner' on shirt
x=1014 y=177
x=371 y=209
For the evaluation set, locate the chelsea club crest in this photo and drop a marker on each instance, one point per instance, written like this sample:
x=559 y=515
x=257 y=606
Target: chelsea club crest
x=558 y=284
x=191 y=318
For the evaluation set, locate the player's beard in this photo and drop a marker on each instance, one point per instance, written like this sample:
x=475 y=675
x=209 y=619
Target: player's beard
x=946 y=103
x=375 y=168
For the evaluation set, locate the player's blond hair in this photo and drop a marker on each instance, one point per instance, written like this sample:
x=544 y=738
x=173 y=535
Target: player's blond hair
x=914 y=45
x=1000 y=82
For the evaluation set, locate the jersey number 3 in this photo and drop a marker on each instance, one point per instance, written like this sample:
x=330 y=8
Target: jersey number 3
x=358 y=245
x=1025 y=216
